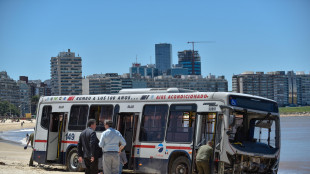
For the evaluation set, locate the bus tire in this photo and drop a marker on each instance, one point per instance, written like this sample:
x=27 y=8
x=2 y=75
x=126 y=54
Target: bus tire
x=180 y=165
x=72 y=161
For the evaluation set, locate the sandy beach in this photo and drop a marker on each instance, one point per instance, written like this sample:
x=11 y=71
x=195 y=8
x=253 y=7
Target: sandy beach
x=296 y=115
x=14 y=159
x=8 y=125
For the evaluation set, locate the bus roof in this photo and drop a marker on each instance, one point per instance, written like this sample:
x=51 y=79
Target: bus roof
x=146 y=94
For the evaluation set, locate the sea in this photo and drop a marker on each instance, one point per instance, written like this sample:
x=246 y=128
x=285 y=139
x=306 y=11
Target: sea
x=16 y=136
x=295 y=143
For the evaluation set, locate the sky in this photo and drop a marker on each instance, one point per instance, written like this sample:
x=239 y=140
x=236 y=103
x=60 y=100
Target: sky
x=247 y=35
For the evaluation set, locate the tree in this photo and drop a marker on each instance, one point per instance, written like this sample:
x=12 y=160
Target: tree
x=34 y=102
x=6 y=108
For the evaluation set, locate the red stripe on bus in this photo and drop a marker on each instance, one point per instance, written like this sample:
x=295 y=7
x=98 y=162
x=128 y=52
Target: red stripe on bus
x=178 y=147
x=145 y=146
x=70 y=142
x=40 y=141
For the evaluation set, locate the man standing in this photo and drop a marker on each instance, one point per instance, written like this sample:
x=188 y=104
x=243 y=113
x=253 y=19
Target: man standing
x=87 y=146
x=109 y=142
x=203 y=158
x=30 y=140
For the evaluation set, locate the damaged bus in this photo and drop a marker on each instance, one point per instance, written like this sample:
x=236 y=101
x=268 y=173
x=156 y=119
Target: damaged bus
x=164 y=129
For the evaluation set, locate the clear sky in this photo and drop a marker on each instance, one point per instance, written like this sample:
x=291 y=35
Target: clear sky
x=249 y=35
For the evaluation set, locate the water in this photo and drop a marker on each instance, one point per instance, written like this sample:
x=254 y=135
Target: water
x=295 y=144
x=16 y=136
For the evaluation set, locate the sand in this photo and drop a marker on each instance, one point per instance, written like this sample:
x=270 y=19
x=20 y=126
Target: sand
x=296 y=115
x=14 y=159
x=8 y=125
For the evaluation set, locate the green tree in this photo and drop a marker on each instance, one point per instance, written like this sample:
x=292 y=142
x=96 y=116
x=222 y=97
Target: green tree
x=6 y=108
x=34 y=102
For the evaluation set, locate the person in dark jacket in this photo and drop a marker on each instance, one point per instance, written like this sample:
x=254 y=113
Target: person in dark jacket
x=88 y=148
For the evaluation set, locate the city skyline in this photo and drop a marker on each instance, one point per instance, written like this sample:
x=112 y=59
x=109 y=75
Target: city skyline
x=248 y=36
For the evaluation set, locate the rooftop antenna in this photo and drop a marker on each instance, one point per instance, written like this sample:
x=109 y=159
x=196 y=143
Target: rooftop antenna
x=151 y=59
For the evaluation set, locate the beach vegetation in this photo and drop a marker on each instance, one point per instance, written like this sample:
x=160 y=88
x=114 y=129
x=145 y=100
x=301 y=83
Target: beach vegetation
x=8 y=109
x=293 y=110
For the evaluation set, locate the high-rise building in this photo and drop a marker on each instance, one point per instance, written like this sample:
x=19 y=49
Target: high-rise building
x=143 y=71
x=187 y=61
x=192 y=82
x=24 y=96
x=163 y=57
x=287 y=89
x=9 y=90
x=303 y=88
x=66 y=74
x=177 y=70
x=109 y=83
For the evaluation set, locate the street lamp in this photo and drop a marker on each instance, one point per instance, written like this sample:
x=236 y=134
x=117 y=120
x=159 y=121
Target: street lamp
x=20 y=110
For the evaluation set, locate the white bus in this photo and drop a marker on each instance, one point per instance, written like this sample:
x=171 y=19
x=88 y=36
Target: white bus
x=164 y=128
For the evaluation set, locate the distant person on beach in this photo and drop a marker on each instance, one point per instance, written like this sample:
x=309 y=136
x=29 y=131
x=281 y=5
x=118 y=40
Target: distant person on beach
x=31 y=137
x=88 y=148
x=27 y=137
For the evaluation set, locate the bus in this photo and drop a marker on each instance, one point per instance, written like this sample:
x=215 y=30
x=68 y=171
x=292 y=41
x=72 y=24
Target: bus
x=164 y=129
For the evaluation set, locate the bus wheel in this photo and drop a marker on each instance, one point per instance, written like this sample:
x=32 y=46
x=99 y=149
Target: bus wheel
x=180 y=165
x=73 y=161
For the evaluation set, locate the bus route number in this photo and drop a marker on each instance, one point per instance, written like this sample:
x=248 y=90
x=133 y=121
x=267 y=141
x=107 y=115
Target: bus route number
x=70 y=136
x=212 y=108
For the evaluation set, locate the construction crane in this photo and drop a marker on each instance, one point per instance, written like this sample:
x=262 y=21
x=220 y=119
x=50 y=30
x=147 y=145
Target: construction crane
x=193 y=53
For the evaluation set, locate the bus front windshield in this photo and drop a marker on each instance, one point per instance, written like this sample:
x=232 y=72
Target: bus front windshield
x=254 y=132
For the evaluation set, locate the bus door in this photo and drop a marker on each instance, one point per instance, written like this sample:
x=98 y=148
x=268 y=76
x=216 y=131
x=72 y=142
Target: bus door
x=55 y=134
x=127 y=126
x=206 y=130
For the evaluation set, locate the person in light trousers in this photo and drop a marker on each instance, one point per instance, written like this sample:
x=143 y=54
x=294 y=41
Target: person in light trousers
x=109 y=142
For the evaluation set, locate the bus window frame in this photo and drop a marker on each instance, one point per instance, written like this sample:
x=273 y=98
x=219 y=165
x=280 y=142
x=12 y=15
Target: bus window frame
x=48 y=117
x=142 y=121
x=113 y=107
x=193 y=125
x=69 y=118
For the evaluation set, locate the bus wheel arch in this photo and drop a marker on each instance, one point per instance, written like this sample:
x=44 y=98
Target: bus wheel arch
x=179 y=162
x=72 y=162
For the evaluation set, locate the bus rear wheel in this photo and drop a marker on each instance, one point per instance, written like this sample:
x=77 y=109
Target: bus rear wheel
x=73 y=161
x=180 y=165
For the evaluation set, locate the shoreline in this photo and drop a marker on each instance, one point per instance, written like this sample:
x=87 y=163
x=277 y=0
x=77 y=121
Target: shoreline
x=295 y=115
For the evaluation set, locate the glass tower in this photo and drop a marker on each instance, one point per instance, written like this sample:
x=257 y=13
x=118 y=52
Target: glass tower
x=186 y=60
x=163 y=57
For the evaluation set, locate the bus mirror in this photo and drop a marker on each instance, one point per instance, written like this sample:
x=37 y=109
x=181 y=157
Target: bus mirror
x=232 y=119
x=226 y=107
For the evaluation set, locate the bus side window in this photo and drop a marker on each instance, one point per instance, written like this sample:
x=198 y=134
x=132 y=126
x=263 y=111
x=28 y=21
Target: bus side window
x=78 y=117
x=47 y=110
x=181 y=123
x=153 y=123
x=101 y=113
